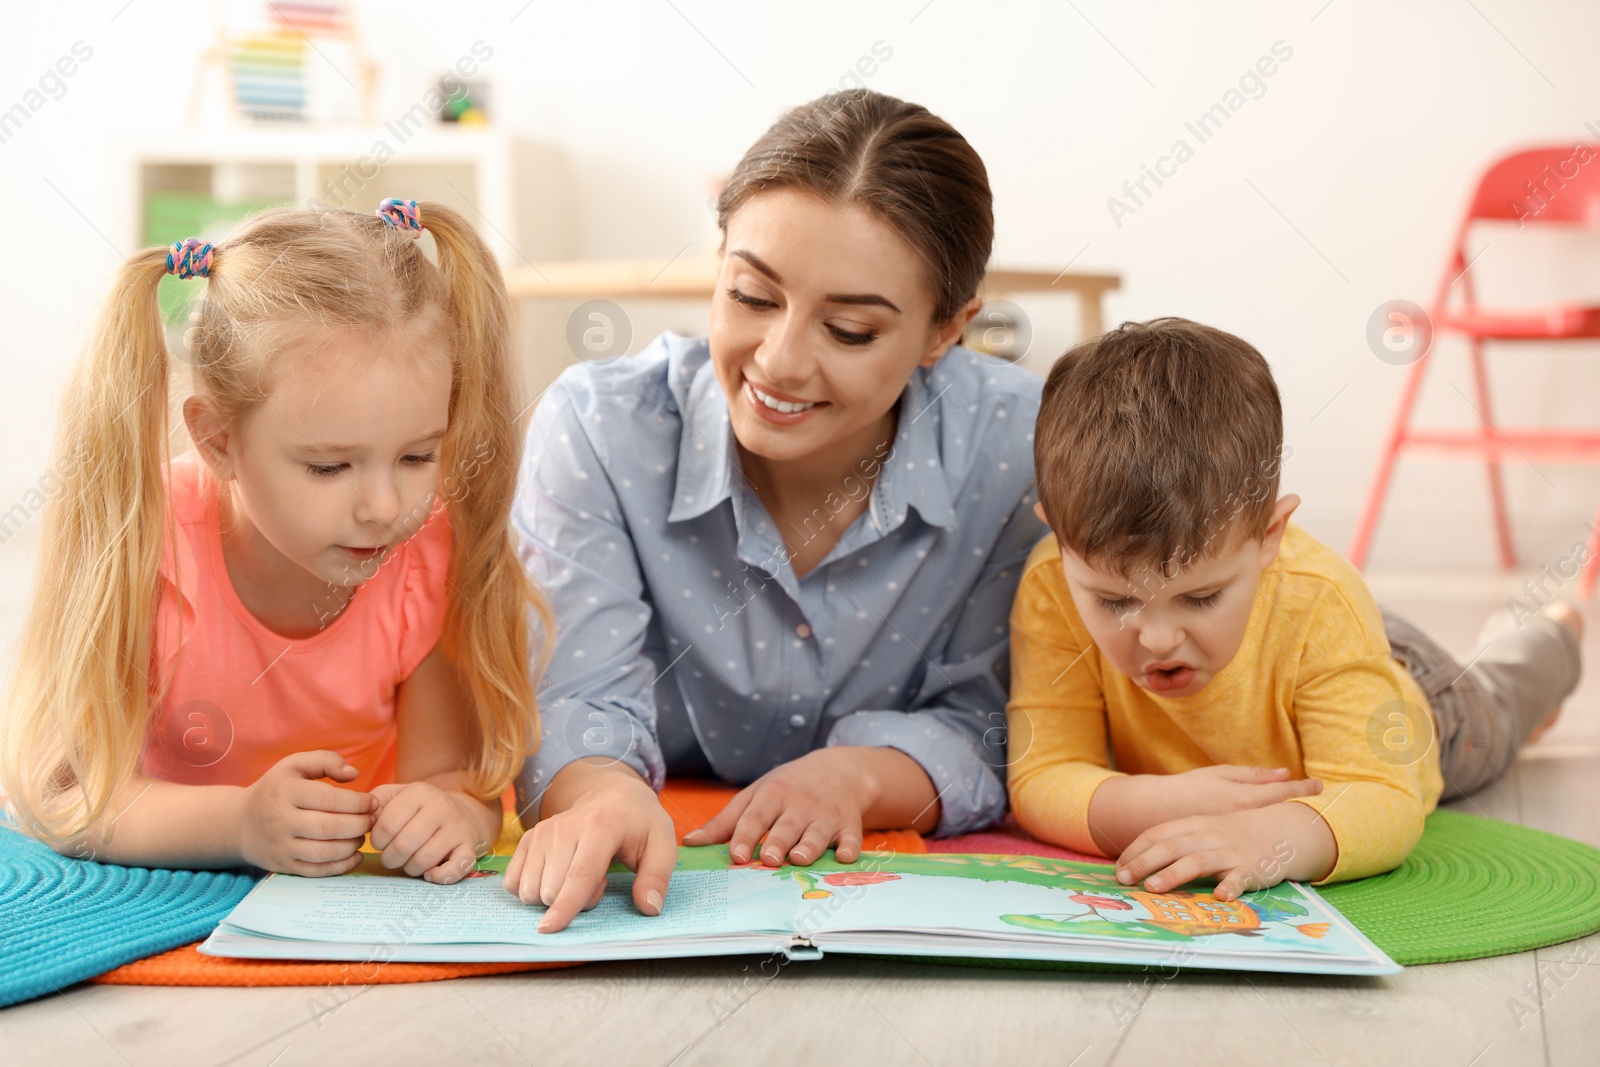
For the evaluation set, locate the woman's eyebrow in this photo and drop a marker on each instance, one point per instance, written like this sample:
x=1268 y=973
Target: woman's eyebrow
x=758 y=263
x=832 y=298
x=860 y=298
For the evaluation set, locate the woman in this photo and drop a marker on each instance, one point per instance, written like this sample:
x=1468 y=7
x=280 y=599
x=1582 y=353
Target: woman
x=785 y=554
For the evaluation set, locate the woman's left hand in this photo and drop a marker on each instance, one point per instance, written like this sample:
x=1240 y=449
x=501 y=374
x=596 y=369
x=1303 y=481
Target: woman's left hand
x=427 y=831
x=802 y=808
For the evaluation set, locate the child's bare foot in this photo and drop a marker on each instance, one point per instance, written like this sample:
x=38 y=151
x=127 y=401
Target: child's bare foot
x=1566 y=614
x=1569 y=616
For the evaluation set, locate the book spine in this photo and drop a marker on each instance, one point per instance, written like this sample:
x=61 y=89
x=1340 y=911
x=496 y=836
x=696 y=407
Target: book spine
x=802 y=948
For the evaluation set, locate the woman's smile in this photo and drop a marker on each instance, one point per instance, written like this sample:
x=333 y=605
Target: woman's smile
x=780 y=409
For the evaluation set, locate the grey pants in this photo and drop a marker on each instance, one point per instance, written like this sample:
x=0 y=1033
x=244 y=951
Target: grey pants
x=1483 y=711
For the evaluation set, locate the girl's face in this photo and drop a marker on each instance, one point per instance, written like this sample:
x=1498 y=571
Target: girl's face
x=820 y=316
x=340 y=463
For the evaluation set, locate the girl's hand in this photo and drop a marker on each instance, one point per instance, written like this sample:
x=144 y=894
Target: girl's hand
x=801 y=808
x=598 y=813
x=427 y=831
x=293 y=823
x=1244 y=850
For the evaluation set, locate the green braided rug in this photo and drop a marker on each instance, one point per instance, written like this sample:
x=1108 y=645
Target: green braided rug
x=1476 y=887
x=1472 y=887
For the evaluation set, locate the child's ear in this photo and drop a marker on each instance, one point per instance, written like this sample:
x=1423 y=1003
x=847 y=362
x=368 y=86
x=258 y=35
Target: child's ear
x=951 y=332
x=1038 y=509
x=1272 y=540
x=213 y=439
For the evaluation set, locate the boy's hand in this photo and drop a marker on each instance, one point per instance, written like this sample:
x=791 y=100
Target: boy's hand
x=1227 y=788
x=427 y=831
x=606 y=813
x=291 y=822
x=1125 y=806
x=1244 y=850
x=801 y=807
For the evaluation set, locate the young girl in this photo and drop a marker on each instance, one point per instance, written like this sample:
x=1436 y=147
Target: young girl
x=325 y=588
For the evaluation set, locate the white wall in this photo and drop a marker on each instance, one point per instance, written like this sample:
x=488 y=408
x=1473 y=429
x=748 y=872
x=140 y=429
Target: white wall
x=1332 y=193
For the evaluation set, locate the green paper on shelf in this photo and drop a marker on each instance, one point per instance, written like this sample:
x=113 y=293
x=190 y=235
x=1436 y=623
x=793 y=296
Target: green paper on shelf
x=172 y=216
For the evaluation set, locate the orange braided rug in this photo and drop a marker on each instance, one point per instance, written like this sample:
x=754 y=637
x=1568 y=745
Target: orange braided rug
x=690 y=803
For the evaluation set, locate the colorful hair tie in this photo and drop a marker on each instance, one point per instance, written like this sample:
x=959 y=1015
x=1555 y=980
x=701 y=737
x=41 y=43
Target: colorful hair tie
x=189 y=258
x=402 y=215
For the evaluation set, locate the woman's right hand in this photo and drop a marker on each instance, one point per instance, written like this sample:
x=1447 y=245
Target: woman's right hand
x=594 y=812
x=294 y=823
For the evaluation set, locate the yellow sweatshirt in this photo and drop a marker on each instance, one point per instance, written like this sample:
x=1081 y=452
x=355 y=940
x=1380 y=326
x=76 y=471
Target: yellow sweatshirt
x=1311 y=689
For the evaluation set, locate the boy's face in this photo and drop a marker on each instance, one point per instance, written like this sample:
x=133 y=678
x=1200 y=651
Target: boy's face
x=1173 y=635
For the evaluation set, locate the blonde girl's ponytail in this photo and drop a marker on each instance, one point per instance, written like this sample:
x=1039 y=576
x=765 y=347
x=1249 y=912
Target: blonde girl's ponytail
x=487 y=632
x=74 y=720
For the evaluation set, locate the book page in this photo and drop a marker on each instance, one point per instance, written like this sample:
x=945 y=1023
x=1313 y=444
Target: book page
x=1051 y=901
x=380 y=907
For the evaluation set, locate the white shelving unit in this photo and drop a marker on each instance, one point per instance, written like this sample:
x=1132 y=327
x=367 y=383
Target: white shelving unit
x=514 y=190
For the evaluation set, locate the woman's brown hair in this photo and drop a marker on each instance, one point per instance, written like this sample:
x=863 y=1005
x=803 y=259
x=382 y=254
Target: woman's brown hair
x=904 y=164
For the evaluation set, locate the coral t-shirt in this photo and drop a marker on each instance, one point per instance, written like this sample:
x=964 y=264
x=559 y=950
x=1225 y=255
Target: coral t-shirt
x=243 y=697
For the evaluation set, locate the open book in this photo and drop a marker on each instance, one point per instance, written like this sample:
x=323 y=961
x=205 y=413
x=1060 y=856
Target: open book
x=995 y=907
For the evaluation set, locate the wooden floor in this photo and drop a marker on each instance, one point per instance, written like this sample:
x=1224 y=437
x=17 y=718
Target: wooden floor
x=1533 y=1008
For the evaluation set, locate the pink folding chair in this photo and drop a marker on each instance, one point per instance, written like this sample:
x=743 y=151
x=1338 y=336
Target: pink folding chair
x=1540 y=186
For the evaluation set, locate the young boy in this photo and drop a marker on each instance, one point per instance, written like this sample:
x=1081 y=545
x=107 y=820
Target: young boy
x=1177 y=623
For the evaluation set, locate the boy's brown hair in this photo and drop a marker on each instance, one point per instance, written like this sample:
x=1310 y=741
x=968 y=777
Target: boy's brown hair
x=1157 y=441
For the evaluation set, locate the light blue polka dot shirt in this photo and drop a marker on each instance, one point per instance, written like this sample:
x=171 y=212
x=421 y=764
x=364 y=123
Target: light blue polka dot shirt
x=683 y=638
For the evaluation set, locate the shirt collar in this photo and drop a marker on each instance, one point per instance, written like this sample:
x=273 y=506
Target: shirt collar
x=913 y=472
x=706 y=448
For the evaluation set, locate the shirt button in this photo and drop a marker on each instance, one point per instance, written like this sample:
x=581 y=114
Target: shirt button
x=802 y=631
x=797 y=720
